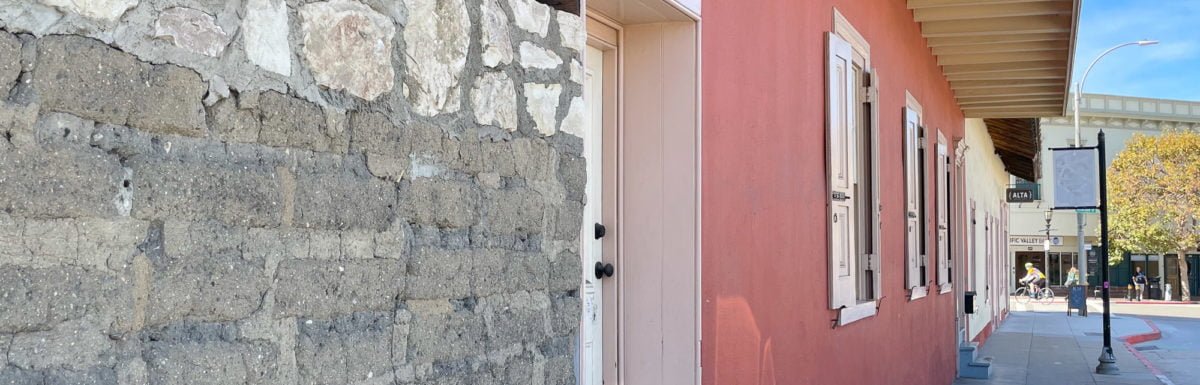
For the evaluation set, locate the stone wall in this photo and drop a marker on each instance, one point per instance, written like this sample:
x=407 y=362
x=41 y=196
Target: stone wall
x=269 y=192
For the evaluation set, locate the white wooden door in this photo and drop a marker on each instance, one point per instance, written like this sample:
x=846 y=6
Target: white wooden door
x=591 y=249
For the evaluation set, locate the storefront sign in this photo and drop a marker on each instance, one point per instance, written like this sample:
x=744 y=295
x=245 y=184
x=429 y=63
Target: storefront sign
x=1033 y=241
x=1019 y=195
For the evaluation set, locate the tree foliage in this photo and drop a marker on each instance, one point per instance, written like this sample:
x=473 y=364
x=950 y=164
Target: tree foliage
x=1154 y=197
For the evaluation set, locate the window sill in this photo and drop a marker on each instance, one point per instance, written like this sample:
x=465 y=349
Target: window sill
x=861 y=311
x=918 y=293
x=946 y=288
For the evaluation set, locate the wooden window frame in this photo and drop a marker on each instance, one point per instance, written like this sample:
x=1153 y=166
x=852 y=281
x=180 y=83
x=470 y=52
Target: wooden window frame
x=867 y=231
x=915 y=176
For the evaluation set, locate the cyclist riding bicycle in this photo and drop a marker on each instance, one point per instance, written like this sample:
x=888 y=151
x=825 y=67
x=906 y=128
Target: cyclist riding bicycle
x=1034 y=277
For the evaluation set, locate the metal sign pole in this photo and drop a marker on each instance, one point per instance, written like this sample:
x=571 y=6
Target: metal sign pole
x=1108 y=363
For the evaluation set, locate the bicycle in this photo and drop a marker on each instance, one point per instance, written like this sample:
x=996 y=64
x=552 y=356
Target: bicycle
x=1043 y=295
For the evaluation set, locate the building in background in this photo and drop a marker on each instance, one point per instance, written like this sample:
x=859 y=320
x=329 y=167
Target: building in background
x=1120 y=117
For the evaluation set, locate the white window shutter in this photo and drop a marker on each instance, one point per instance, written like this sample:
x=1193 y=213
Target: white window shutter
x=943 y=212
x=877 y=257
x=911 y=201
x=842 y=170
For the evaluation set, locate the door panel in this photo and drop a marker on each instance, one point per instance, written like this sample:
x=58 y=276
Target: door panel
x=658 y=336
x=591 y=249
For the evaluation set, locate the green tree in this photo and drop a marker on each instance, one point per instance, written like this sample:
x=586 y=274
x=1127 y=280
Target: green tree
x=1154 y=198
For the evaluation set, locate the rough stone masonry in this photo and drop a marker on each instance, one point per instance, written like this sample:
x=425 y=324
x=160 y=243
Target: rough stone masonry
x=289 y=192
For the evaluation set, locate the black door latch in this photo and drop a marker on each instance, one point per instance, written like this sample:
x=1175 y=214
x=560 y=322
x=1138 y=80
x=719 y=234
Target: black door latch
x=600 y=231
x=603 y=270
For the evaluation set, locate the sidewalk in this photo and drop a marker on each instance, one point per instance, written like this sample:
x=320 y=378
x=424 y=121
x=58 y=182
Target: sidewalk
x=1050 y=348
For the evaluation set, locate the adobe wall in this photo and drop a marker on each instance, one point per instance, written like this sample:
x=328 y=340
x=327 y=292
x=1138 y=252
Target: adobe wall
x=766 y=312
x=260 y=192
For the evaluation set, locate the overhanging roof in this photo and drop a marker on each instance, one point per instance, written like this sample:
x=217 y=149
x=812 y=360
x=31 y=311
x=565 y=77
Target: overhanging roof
x=1003 y=58
x=1016 y=142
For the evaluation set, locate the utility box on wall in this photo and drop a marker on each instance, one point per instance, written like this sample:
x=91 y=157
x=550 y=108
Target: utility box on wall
x=969 y=302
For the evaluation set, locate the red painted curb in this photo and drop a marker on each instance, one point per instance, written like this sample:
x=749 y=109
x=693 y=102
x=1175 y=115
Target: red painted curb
x=1156 y=302
x=1131 y=340
x=1135 y=339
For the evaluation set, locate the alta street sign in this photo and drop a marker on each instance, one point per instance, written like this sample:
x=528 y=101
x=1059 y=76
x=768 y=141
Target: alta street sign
x=1019 y=195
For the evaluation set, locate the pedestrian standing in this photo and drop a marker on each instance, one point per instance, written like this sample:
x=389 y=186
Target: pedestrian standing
x=1072 y=277
x=1139 y=282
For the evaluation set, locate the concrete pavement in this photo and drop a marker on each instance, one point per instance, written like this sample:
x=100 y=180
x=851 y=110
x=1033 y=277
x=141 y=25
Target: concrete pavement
x=1177 y=353
x=1047 y=347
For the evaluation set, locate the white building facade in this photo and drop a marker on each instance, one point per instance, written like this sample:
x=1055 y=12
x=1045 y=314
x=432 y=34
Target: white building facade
x=1120 y=117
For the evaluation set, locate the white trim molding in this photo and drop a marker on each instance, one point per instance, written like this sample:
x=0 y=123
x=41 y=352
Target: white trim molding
x=918 y=292
x=849 y=314
x=843 y=28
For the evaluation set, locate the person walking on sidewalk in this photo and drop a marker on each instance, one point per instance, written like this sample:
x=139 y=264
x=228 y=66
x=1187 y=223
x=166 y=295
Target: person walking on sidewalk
x=1139 y=282
x=1034 y=277
x=1072 y=277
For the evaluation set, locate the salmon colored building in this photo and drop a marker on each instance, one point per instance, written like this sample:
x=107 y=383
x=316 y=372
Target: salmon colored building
x=804 y=192
x=853 y=171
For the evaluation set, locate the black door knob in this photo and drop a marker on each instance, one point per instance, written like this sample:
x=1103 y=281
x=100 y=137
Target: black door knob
x=600 y=231
x=603 y=270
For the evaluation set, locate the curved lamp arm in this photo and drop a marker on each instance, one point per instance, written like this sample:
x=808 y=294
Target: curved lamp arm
x=1079 y=85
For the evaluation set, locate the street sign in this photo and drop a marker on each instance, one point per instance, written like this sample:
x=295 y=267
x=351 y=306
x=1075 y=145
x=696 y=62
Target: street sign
x=1033 y=240
x=1019 y=195
x=1076 y=178
x=1087 y=211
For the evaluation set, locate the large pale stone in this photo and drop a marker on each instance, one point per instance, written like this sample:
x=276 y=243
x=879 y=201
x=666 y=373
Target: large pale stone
x=28 y=17
x=95 y=9
x=576 y=72
x=436 y=41
x=192 y=30
x=497 y=45
x=576 y=119
x=542 y=103
x=531 y=16
x=348 y=46
x=533 y=56
x=265 y=30
x=495 y=100
x=570 y=30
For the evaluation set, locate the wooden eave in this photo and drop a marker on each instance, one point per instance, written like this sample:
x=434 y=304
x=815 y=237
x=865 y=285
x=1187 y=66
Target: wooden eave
x=1016 y=142
x=1003 y=58
x=569 y=6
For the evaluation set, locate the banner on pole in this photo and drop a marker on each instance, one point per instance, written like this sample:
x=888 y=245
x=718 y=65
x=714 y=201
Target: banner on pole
x=1076 y=178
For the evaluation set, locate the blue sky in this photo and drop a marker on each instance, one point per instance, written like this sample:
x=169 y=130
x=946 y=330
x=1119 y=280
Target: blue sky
x=1169 y=70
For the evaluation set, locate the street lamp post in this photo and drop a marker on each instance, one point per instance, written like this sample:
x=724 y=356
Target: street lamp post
x=1107 y=361
x=1046 y=244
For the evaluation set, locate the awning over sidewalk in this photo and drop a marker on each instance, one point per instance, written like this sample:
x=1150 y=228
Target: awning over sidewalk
x=1016 y=141
x=1003 y=58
